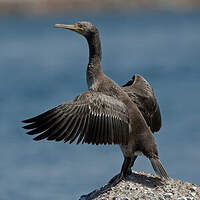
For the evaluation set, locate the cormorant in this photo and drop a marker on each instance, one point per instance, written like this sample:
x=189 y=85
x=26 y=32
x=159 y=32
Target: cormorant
x=106 y=113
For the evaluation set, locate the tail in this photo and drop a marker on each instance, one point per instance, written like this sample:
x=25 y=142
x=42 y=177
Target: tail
x=158 y=168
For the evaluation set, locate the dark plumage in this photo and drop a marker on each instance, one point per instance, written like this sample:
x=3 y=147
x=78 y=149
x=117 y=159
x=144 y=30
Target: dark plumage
x=107 y=113
x=141 y=93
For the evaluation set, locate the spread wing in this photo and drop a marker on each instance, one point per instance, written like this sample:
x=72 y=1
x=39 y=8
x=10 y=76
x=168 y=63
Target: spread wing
x=141 y=93
x=92 y=118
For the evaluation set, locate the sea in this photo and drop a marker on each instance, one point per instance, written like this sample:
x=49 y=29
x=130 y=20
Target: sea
x=42 y=67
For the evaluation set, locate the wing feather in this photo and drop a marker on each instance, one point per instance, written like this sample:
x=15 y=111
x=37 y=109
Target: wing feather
x=142 y=94
x=84 y=130
x=99 y=132
x=105 y=129
x=44 y=126
x=77 y=131
x=91 y=118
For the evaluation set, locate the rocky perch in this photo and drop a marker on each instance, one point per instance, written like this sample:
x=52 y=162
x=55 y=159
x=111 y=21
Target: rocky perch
x=142 y=186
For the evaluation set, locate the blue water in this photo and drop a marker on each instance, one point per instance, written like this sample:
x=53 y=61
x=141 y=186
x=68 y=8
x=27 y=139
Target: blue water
x=41 y=67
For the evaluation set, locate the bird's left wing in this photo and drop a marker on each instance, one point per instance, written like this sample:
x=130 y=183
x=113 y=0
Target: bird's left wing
x=141 y=93
x=92 y=118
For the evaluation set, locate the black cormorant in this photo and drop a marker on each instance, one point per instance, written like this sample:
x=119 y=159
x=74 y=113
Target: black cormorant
x=106 y=113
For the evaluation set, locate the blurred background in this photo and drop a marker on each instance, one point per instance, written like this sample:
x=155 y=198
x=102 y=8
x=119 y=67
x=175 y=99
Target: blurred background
x=41 y=67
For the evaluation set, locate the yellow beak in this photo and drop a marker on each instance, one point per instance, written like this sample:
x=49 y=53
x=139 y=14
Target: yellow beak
x=73 y=27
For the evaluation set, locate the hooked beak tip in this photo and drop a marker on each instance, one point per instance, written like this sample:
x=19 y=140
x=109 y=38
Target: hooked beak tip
x=58 y=25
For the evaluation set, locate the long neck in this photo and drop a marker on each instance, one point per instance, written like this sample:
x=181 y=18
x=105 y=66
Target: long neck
x=94 y=66
x=95 y=53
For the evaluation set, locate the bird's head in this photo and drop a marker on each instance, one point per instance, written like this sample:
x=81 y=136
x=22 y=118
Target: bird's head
x=86 y=29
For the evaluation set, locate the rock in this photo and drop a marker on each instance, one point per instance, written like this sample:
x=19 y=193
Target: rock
x=168 y=195
x=142 y=186
x=182 y=198
x=193 y=189
x=193 y=194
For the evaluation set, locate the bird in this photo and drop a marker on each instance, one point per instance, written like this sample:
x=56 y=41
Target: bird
x=106 y=114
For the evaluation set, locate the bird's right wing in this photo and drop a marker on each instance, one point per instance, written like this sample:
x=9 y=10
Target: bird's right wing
x=92 y=118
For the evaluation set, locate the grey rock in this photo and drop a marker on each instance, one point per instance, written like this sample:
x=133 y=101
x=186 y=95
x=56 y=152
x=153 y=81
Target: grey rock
x=168 y=195
x=182 y=198
x=193 y=189
x=190 y=198
x=193 y=194
x=142 y=186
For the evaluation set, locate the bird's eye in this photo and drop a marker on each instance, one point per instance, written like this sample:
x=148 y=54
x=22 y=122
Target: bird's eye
x=80 y=25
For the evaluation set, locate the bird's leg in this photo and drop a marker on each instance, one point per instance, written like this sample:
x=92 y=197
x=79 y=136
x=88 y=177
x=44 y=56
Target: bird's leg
x=125 y=167
x=129 y=171
x=115 y=180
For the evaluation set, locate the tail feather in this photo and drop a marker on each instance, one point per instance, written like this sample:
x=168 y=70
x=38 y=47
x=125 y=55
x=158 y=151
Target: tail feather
x=158 y=168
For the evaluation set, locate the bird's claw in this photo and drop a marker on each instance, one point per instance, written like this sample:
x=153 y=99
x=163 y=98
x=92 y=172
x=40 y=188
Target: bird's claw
x=116 y=179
